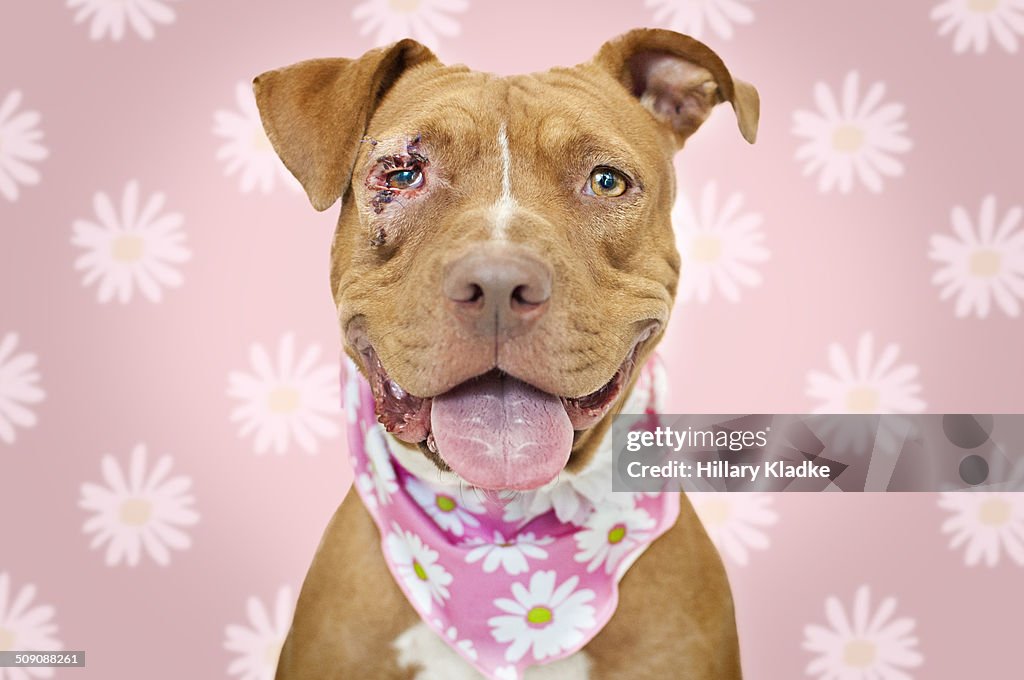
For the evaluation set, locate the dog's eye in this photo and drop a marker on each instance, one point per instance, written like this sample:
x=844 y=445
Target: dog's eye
x=405 y=178
x=607 y=183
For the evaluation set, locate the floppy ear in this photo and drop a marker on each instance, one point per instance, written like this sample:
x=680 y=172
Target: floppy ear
x=316 y=112
x=678 y=79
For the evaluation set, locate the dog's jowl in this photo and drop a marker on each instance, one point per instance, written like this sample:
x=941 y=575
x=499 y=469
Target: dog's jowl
x=503 y=267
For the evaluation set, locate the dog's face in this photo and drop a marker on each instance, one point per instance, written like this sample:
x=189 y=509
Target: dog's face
x=504 y=255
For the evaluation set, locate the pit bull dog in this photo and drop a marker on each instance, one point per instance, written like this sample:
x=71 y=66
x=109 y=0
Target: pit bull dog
x=503 y=267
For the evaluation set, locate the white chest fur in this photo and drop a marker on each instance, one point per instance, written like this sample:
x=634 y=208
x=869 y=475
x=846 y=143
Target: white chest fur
x=420 y=647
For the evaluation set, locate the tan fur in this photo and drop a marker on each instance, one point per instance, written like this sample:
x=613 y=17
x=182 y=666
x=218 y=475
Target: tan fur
x=615 y=269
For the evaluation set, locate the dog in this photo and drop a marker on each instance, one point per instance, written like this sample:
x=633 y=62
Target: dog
x=503 y=266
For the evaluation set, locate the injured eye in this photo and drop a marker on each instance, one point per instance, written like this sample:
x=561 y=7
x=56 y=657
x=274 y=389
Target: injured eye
x=607 y=183
x=404 y=178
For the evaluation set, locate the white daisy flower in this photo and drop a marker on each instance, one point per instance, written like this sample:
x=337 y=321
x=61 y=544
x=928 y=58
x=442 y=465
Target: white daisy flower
x=985 y=524
x=246 y=150
x=19 y=387
x=108 y=17
x=735 y=522
x=542 y=618
x=290 y=399
x=424 y=20
x=379 y=483
x=850 y=137
x=258 y=642
x=133 y=248
x=24 y=626
x=20 y=145
x=139 y=510
x=864 y=385
x=449 y=513
x=718 y=246
x=425 y=579
x=511 y=554
x=691 y=16
x=610 y=534
x=863 y=645
x=982 y=265
x=972 y=21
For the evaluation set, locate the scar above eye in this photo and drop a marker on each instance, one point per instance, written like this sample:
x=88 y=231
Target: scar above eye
x=413 y=149
x=413 y=155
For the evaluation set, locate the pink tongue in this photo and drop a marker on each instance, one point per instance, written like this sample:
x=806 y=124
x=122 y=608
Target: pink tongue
x=497 y=432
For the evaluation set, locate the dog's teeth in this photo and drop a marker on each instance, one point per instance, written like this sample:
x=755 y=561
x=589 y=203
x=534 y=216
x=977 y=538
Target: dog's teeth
x=431 y=444
x=396 y=390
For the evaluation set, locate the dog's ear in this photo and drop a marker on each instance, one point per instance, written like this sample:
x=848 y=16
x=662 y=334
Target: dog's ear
x=678 y=79
x=316 y=112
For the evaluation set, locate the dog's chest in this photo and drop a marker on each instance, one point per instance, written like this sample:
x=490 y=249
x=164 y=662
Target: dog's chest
x=421 y=648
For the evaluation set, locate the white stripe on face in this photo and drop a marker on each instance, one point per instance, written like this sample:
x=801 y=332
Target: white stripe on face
x=504 y=207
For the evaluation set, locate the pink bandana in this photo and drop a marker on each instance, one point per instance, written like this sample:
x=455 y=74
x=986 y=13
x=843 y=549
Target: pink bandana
x=512 y=584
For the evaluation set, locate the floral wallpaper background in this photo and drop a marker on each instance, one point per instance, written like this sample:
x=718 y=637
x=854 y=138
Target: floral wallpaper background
x=170 y=436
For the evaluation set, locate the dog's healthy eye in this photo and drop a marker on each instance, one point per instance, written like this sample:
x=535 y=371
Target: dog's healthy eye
x=406 y=178
x=607 y=182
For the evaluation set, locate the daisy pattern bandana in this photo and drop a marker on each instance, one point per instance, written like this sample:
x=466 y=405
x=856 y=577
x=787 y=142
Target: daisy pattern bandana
x=507 y=584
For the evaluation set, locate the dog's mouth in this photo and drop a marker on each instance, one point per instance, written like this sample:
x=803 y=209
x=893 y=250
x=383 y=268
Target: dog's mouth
x=494 y=430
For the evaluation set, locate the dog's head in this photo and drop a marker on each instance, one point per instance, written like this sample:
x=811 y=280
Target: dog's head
x=504 y=255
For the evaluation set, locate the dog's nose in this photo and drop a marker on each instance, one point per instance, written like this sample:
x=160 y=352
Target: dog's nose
x=497 y=291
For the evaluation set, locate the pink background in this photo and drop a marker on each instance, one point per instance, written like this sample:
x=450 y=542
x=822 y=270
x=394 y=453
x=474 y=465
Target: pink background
x=116 y=375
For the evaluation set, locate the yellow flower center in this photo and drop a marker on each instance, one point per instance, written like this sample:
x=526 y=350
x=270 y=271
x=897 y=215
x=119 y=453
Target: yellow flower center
x=283 y=400
x=982 y=6
x=421 y=573
x=272 y=653
x=538 y=616
x=445 y=503
x=617 y=533
x=706 y=248
x=715 y=511
x=6 y=639
x=136 y=511
x=847 y=138
x=127 y=248
x=862 y=400
x=985 y=262
x=407 y=6
x=859 y=653
x=994 y=512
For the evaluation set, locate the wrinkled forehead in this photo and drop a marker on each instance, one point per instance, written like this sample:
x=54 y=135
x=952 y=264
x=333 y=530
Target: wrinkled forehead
x=461 y=115
x=446 y=106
